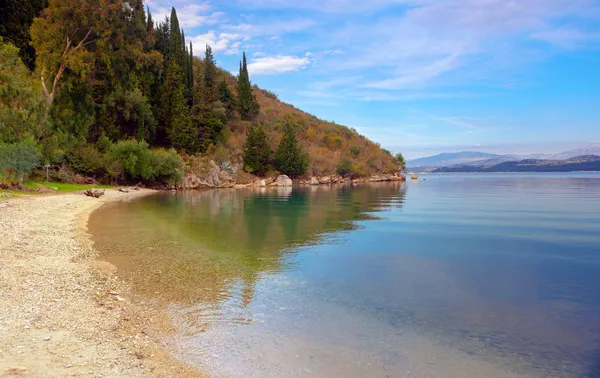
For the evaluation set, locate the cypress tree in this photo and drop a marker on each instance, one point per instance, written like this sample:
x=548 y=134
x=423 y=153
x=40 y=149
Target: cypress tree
x=191 y=67
x=150 y=22
x=257 y=153
x=247 y=105
x=289 y=158
x=210 y=123
x=175 y=43
x=210 y=74
x=175 y=112
x=226 y=97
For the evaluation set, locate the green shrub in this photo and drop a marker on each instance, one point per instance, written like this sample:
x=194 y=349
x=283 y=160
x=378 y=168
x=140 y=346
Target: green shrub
x=345 y=167
x=87 y=160
x=354 y=151
x=131 y=160
x=166 y=165
x=103 y=144
x=17 y=161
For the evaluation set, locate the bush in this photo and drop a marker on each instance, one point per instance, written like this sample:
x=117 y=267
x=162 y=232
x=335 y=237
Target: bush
x=354 y=151
x=87 y=160
x=131 y=160
x=166 y=165
x=17 y=161
x=345 y=167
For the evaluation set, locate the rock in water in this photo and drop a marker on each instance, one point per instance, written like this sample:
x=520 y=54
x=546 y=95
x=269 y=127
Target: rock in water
x=283 y=180
x=262 y=183
x=314 y=181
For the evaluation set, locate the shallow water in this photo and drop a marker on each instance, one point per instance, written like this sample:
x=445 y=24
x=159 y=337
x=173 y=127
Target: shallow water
x=454 y=276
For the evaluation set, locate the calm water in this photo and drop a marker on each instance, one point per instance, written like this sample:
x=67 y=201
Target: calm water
x=452 y=276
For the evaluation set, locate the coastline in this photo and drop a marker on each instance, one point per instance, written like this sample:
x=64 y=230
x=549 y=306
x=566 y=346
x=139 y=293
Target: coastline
x=62 y=311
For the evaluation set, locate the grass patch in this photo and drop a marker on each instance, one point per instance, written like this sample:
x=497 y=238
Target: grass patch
x=62 y=187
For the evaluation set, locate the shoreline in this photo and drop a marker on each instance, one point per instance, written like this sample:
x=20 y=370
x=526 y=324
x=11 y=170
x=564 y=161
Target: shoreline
x=62 y=311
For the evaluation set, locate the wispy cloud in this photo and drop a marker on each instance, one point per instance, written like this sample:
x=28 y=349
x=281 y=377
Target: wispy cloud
x=568 y=38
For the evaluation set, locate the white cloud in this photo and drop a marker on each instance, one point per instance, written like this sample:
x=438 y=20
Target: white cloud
x=189 y=15
x=223 y=42
x=277 y=64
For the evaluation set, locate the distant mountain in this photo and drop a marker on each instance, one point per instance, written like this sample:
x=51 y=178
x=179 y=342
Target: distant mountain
x=452 y=158
x=579 y=163
x=590 y=149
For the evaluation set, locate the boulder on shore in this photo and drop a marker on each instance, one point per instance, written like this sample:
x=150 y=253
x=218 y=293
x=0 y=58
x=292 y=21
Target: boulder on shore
x=314 y=181
x=283 y=180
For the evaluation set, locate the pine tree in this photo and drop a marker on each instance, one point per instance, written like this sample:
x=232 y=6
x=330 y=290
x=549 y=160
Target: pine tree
x=289 y=158
x=247 y=105
x=257 y=154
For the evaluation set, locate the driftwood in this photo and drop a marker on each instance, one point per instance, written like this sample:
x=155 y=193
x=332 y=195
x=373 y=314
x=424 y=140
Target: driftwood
x=94 y=193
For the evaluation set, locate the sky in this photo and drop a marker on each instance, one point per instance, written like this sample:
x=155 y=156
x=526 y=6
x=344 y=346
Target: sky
x=419 y=76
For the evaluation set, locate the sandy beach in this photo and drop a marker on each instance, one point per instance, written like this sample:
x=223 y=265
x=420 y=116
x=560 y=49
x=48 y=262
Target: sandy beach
x=62 y=312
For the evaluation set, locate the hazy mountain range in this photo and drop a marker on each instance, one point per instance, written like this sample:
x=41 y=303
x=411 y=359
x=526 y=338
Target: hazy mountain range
x=475 y=160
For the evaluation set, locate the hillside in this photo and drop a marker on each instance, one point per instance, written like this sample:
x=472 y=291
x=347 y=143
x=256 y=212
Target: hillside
x=326 y=143
x=451 y=158
x=112 y=95
x=580 y=163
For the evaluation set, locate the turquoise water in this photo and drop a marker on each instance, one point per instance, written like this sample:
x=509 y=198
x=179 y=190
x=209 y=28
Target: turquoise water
x=452 y=276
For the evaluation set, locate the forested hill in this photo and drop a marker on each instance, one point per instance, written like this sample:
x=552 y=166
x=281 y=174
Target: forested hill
x=101 y=89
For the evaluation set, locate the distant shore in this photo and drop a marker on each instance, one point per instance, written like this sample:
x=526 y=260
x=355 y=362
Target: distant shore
x=64 y=313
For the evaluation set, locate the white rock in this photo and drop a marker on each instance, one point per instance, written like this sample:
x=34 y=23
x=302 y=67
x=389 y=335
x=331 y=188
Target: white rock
x=283 y=180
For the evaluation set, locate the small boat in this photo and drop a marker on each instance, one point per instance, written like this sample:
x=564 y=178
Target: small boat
x=414 y=177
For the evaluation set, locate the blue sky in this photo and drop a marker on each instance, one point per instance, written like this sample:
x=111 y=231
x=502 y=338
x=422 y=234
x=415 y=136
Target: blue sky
x=419 y=76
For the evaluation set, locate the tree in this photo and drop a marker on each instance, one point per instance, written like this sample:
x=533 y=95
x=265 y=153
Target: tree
x=16 y=18
x=289 y=158
x=247 y=105
x=227 y=98
x=60 y=36
x=399 y=158
x=17 y=160
x=175 y=40
x=22 y=106
x=345 y=167
x=257 y=154
x=175 y=114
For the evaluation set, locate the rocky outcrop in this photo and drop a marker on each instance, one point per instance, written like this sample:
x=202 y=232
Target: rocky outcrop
x=219 y=177
x=336 y=179
x=215 y=177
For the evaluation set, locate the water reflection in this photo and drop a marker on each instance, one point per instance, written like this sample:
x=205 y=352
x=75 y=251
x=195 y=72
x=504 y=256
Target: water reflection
x=209 y=248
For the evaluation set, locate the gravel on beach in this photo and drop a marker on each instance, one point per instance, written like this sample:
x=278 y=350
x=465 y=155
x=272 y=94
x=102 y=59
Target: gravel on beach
x=62 y=312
